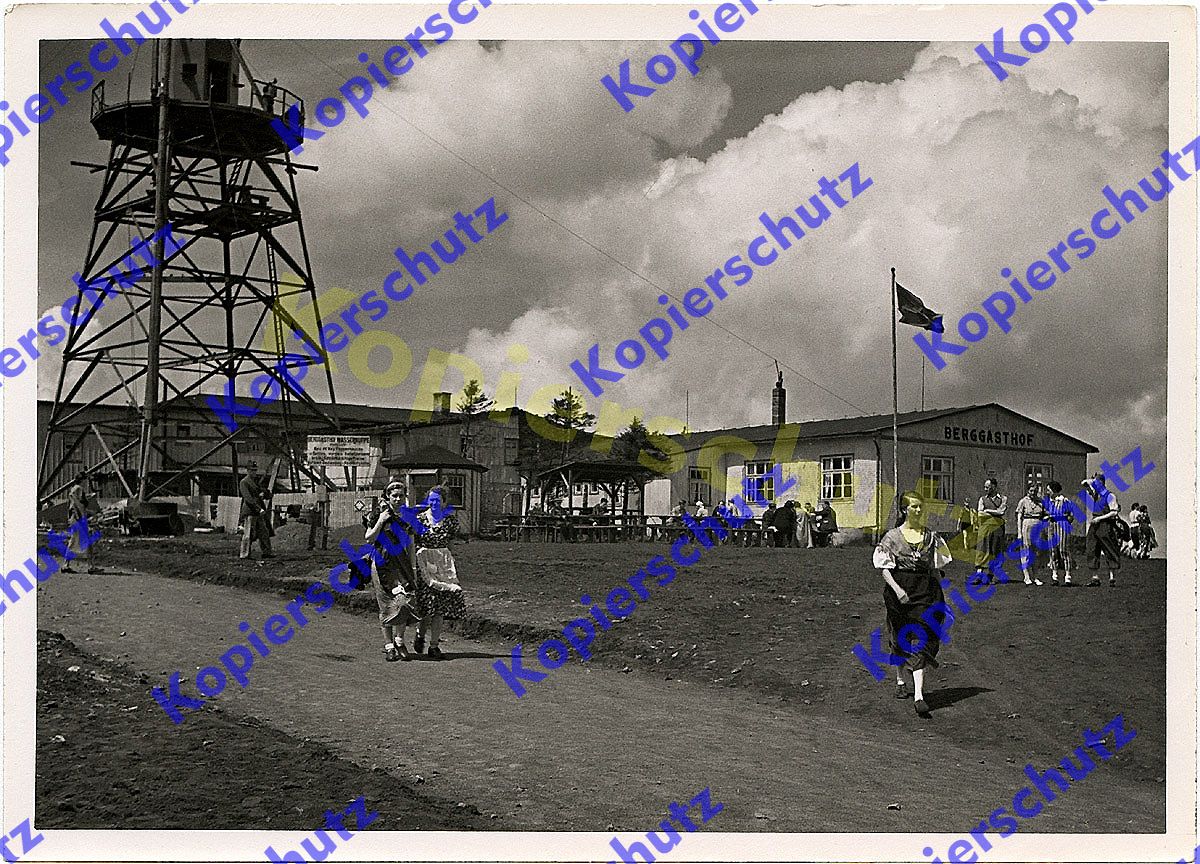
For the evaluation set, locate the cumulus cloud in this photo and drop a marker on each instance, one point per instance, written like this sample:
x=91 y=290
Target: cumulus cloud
x=970 y=175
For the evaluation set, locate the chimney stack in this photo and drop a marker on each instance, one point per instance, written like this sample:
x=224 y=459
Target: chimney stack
x=779 y=403
x=441 y=403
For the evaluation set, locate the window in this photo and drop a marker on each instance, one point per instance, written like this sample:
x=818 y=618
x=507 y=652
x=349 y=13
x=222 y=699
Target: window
x=1038 y=472
x=837 y=477
x=455 y=485
x=760 y=483
x=512 y=451
x=937 y=478
x=698 y=485
x=183 y=430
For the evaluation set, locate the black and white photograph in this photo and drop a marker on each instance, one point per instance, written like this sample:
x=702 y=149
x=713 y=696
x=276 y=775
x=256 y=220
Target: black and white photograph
x=601 y=433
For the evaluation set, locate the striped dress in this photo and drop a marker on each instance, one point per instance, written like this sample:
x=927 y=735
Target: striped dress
x=1058 y=535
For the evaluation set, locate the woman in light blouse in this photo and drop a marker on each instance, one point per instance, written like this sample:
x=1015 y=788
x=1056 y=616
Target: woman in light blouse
x=911 y=557
x=1030 y=513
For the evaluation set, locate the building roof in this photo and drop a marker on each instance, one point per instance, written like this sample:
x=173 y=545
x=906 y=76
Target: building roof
x=432 y=456
x=196 y=403
x=871 y=424
x=598 y=470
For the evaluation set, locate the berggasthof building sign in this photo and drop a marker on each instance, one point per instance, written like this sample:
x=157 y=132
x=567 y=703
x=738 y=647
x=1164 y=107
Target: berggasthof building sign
x=989 y=436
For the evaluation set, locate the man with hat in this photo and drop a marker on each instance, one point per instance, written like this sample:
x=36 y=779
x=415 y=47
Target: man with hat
x=255 y=524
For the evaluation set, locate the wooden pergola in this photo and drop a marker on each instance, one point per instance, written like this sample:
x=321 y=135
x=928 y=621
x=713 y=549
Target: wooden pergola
x=616 y=479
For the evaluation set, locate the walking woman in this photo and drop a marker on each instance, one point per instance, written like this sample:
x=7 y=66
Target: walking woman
x=1102 y=538
x=439 y=595
x=393 y=578
x=1147 y=540
x=80 y=505
x=911 y=557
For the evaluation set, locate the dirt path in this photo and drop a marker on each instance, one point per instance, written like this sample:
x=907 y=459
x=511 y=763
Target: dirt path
x=588 y=749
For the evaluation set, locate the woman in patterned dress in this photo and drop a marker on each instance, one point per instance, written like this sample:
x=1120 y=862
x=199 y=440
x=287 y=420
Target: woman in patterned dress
x=1147 y=541
x=439 y=595
x=911 y=557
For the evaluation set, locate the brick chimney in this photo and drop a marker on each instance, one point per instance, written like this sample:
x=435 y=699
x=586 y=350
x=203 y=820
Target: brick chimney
x=441 y=403
x=778 y=403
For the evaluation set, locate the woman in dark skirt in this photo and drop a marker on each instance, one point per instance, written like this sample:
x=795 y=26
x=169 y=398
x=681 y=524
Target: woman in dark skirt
x=393 y=580
x=439 y=596
x=911 y=557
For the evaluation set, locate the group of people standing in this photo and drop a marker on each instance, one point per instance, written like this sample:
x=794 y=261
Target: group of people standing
x=1048 y=516
x=788 y=526
x=911 y=558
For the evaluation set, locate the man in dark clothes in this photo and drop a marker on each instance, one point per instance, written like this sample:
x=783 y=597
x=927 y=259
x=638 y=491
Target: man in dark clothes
x=255 y=525
x=768 y=525
x=824 y=524
x=785 y=525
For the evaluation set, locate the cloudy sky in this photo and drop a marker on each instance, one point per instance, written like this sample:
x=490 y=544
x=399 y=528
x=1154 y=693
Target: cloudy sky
x=970 y=175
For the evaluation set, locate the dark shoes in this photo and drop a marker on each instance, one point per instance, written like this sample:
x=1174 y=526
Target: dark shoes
x=390 y=653
x=901 y=690
x=419 y=644
x=921 y=707
x=436 y=653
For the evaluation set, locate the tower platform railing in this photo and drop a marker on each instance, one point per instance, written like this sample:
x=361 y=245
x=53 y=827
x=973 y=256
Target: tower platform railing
x=265 y=96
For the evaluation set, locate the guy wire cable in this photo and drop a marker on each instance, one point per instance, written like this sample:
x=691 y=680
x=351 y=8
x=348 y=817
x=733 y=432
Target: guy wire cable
x=596 y=248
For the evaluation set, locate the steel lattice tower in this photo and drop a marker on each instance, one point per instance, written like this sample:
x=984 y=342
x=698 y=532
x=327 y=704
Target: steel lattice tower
x=199 y=155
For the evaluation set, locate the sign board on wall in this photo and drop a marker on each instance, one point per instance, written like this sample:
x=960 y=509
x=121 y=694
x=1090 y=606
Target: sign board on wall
x=339 y=450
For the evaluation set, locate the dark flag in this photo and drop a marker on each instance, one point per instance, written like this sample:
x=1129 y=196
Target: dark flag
x=914 y=311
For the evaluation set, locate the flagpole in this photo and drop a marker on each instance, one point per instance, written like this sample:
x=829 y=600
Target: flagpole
x=895 y=408
x=922 y=382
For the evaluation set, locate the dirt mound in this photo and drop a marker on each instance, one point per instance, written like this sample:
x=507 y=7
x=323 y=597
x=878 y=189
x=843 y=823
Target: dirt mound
x=216 y=770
